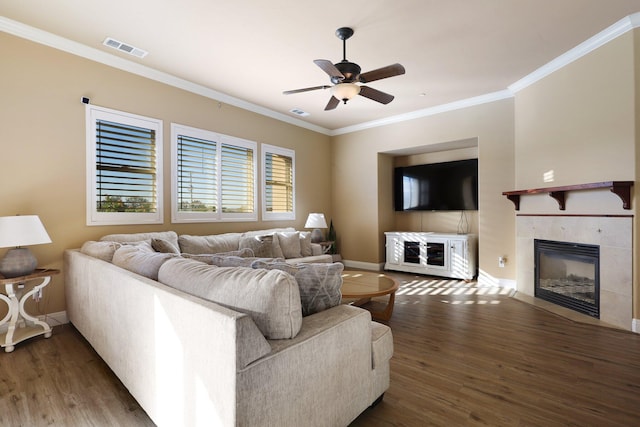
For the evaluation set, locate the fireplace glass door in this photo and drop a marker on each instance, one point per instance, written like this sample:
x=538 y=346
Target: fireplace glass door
x=568 y=274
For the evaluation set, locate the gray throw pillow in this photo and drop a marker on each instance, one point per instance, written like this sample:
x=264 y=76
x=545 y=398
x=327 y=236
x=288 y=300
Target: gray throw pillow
x=262 y=246
x=305 y=244
x=289 y=244
x=164 y=246
x=320 y=284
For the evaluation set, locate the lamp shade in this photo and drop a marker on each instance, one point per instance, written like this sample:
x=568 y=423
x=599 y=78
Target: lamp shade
x=315 y=220
x=22 y=230
x=345 y=91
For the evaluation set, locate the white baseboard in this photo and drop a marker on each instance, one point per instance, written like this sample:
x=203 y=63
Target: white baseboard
x=359 y=265
x=635 y=325
x=507 y=283
x=52 y=319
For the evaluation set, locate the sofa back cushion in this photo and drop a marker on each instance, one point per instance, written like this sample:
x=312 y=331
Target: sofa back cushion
x=169 y=236
x=140 y=259
x=270 y=297
x=100 y=250
x=212 y=244
x=211 y=258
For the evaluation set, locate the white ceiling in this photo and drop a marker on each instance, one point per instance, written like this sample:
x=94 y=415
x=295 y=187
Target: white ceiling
x=253 y=50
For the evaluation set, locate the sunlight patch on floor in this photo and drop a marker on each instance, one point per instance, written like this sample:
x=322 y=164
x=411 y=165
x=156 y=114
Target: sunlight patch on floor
x=480 y=294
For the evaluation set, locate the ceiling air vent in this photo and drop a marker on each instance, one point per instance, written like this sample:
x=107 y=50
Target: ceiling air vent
x=123 y=47
x=299 y=112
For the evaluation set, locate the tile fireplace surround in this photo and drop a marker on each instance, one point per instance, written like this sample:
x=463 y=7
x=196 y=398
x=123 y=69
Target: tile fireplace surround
x=614 y=236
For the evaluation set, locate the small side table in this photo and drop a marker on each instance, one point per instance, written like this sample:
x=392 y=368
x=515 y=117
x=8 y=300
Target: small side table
x=15 y=303
x=326 y=246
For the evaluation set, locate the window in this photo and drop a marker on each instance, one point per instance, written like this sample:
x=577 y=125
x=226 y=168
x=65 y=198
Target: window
x=124 y=168
x=278 y=181
x=213 y=176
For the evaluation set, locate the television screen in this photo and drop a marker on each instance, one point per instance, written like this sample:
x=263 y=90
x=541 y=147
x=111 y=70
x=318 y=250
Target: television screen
x=447 y=186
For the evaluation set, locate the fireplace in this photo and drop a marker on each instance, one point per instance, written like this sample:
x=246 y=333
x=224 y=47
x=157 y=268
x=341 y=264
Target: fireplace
x=568 y=274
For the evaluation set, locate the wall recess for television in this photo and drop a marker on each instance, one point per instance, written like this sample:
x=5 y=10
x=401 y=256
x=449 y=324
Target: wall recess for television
x=621 y=188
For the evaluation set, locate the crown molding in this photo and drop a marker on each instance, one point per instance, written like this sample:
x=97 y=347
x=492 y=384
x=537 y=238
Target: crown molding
x=431 y=111
x=48 y=39
x=603 y=37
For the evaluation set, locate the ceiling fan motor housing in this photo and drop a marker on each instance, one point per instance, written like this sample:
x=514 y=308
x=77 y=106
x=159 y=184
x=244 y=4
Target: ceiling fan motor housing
x=349 y=70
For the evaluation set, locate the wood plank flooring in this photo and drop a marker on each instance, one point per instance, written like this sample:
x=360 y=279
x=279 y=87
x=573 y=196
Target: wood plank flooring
x=464 y=356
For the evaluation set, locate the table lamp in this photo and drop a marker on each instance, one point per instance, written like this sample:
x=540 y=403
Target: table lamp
x=15 y=232
x=316 y=221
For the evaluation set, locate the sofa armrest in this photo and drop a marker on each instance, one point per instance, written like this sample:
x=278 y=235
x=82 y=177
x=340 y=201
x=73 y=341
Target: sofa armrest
x=331 y=354
x=170 y=349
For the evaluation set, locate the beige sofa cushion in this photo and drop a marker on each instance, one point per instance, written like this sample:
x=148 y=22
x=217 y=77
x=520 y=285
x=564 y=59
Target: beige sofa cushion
x=169 y=236
x=141 y=259
x=381 y=344
x=211 y=258
x=100 y=250
x=270 y=297
x=212 y=244
x=320 y=284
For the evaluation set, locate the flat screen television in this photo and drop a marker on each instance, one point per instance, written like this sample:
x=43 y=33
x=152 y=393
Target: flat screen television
x=447 y=186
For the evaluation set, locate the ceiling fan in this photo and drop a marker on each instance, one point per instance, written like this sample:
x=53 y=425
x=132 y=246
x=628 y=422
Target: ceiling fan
x=344 y=76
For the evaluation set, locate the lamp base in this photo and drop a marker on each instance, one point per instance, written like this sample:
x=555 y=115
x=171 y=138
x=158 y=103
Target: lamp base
x=18 y=262
x=317 y=236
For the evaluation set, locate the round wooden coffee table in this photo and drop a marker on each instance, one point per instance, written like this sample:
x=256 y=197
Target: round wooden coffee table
x=364 y=285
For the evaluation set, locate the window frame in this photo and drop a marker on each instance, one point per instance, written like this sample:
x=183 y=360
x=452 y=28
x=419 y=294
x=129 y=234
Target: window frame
x=277 y=216
x=220 y=139
x=94 y=218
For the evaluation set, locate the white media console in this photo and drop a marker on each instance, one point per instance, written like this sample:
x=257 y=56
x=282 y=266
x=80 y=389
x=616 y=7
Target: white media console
x=448 y=255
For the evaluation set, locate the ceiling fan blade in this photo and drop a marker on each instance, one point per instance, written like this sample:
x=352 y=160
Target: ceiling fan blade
x=332 y=104
x=382 y=73
x=376 y=95
x=329 y=68
x=306 y=89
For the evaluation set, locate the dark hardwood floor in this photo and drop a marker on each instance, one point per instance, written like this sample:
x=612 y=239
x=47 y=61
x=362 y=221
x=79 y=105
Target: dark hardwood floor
x=464 y=356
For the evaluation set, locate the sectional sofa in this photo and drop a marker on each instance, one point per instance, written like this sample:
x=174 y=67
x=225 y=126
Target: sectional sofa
x=197 y=342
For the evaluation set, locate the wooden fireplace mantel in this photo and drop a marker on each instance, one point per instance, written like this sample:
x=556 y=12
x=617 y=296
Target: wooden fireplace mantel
x=621 y=188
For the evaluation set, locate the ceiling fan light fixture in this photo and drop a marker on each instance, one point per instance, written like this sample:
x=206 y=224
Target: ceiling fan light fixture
x=345 y=91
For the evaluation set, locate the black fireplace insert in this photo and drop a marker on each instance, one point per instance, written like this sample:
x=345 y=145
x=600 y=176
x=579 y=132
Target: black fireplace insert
x=568 y=274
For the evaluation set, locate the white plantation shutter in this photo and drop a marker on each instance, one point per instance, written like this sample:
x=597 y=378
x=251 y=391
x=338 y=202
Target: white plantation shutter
x=237 y=179
x=197 y=175
x=213 y=176
x=124 y=168
x=278 y=183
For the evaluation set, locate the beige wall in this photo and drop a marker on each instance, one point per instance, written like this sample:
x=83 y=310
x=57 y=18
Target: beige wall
x=581 y=123
x=587 y=108
x=361 y=194
x=42 y=136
